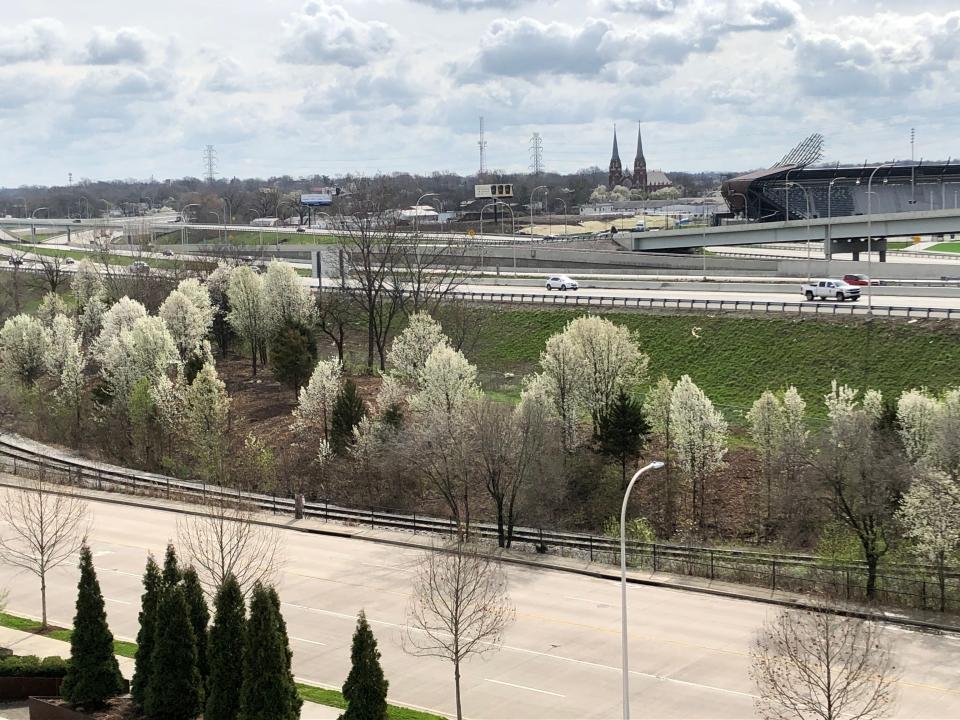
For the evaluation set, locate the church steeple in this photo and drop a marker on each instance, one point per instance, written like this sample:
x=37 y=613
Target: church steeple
x=615 y=176
x=640 y=164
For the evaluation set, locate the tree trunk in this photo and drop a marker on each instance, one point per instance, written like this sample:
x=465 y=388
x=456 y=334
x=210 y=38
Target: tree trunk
x=942 y=580
x=371 y=339
x=501 y=534
x=253 y=354
x=43 y=600
x=872 y=560
x=456 y=684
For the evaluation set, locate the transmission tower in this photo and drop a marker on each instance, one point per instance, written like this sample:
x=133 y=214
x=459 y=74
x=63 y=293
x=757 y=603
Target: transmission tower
x=536 y=154
x=482 y=144
x=210 y=162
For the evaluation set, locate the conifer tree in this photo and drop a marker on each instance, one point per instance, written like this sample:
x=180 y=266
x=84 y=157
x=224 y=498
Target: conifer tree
x=171 y=568
x=175 y=691
x=226 y=652
x=199 y=618
x=348 y=411
x=269 y=691
x=149 y=605
x=365 y=689
x=93 y=675
x=622 y=430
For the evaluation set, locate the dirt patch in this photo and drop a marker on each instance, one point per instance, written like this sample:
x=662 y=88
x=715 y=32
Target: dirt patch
x=121 y=708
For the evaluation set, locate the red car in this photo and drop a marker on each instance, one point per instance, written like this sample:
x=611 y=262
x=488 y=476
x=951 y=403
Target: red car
x=856 y=279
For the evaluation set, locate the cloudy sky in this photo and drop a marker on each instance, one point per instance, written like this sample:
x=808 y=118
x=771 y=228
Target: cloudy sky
x=115 y=89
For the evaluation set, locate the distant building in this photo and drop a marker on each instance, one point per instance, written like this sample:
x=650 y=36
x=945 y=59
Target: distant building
x=641 y=179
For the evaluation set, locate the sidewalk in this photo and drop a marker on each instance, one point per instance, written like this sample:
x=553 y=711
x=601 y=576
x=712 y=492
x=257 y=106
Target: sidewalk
x=24 y=643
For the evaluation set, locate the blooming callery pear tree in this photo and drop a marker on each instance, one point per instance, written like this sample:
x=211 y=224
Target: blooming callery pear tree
x=185 y=322
x=248 y=315
x=699 y=440
x=411 y=348
x=929 y=514
x=286 y=299
x=314 y=411
x=122 y=315
x=145 y=350
x=24 y=347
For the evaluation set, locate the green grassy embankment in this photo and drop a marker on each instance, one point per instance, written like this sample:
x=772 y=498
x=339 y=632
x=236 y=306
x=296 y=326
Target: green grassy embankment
x=118 y=260
x=945 y=247
x=734 y=359
x=256 y=237
x=310 y=693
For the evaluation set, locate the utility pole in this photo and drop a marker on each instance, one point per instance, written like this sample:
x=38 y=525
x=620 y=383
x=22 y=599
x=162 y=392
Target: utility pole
x=536 y=154
x=482 y=144
x=210 y=163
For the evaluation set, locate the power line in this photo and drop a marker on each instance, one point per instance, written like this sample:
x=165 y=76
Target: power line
x=210 y=162
x=536 y=154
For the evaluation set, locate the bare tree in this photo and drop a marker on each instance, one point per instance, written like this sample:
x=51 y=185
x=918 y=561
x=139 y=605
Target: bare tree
x=45 y=526
x=464 y=323
x=336 y=310
x=53 y=270
x=815 y=664
x=460 y=607
x=225 y=538
x=429 y=271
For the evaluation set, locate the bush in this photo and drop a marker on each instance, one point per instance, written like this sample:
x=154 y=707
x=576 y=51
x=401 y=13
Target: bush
x=32 y=666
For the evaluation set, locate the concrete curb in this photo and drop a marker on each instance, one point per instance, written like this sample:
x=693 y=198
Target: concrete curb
x=586 y=569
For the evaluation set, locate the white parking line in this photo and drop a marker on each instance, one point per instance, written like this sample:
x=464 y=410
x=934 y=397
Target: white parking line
x=524 y=687
x=121 y=602
x=588 y=600
x=304 y=640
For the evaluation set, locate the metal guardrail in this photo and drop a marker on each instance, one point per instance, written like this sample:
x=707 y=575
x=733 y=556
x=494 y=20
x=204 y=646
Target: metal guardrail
x=908 y=586
x=693 y=304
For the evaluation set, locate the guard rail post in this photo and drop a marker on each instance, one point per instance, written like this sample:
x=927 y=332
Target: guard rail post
x=168 y=487
x=590 y=541
x=414 y=522
x=655 y=557
x=773 y=577
x=711 y=564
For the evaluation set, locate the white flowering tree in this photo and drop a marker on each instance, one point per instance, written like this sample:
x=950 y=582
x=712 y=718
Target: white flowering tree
x=248 y=311
x=146 y=350
x=314 y=411
x=766 y=418
x=205 y=423
x=929 y=514
x=86 y=284
x=609 y=360
x=699 y=440
x=917 y=415
x=411 y=348
x=24 y=344
x=448 y=380
x=794 y=435
x=560 y=377
x=65 y=364
x=286 y=298
x=121 y=316
x=51 y=306
x=184 y=321
x=946 y=435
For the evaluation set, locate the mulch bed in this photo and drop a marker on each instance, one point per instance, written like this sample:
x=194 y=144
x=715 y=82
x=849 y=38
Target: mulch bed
x=117 y=709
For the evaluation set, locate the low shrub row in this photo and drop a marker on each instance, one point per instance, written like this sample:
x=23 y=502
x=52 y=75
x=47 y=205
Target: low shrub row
x=33 y=666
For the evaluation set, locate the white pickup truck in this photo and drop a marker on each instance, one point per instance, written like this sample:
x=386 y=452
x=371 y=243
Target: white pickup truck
x=830 y=290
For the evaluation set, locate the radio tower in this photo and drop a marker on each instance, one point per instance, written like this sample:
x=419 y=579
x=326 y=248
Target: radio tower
x=482 y=144
x=536 y=154
x=210 y=162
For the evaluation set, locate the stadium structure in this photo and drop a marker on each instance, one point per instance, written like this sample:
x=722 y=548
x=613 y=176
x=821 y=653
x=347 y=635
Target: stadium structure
x=796 y=188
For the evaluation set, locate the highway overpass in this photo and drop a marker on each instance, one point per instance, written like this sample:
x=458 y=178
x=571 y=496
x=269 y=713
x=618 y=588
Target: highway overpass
x=843 y=234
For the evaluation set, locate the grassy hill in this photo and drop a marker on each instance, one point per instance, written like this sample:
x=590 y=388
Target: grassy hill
x=735 y=358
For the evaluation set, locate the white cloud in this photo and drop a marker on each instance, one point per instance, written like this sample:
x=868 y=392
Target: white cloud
x=33 y=40
x=124 y=46
x=467 y=5
x=361 y=91
x=326 y=34
x=651 y=8
x=889 y=55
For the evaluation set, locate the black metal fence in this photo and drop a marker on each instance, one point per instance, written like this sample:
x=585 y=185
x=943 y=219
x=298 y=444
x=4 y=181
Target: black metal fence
x=913 y=586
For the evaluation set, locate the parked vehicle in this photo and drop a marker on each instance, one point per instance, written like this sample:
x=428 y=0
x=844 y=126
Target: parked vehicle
x=15 y=261
x=830 y=289
x=853 y=279
x=69 y=260
x=301 y=229
x=168 y=253
x=139 y=268
x=561 y=282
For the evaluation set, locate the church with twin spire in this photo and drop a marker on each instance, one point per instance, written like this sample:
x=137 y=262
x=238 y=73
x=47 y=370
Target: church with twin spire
x=640 y=179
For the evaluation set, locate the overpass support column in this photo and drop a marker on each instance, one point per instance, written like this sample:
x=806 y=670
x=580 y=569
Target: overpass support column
x=315 y=261
x=68 y=234
x=33 y=233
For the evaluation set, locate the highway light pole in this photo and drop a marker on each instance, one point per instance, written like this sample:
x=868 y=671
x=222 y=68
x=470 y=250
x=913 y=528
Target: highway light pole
x=416 y=210
x=806 y=196
x=183 y=218
x=870 y=234
x=532 y=193
x=256 y=214
x=655 y=465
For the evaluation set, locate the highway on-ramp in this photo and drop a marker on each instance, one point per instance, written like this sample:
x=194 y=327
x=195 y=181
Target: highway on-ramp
x=561 y=659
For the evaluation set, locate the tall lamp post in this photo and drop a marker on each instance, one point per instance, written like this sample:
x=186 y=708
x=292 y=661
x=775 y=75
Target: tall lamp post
x=656 y=465
x=532 y=193
x=561 y=200
x=183 y=218
x=870 y=233
x=806 y=196
x=416 y=215
x=256 y=214
x=513 y=227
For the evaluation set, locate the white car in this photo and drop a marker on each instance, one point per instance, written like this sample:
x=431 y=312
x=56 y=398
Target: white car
x=561 y=282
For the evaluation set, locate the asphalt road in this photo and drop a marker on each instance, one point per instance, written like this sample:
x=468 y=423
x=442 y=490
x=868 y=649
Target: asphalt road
x=561 y=658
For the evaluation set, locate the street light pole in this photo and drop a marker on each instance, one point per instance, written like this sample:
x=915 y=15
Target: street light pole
x=656 y=465
x=416 y=210
x=532 y=193
x=870 y=235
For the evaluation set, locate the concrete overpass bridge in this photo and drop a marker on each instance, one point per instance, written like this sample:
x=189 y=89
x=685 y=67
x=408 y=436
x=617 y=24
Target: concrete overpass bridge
x=838 y=235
